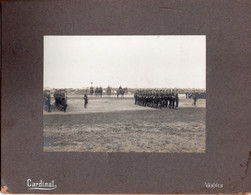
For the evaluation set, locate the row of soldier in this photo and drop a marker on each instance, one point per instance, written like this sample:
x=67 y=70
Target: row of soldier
x=198 y=94
x=157 y=98
x=99 y=90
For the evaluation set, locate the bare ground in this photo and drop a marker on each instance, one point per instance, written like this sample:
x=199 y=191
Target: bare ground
x=117 y=125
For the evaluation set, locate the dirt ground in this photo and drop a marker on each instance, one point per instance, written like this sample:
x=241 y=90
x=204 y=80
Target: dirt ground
x=109 y=124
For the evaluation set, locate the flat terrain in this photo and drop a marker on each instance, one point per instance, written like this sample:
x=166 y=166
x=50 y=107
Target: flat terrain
x=117 y=125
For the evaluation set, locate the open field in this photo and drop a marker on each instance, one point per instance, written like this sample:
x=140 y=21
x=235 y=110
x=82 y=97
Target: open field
x=117 y=125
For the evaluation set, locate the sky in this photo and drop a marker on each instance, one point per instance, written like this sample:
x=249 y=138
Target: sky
x=127 y=61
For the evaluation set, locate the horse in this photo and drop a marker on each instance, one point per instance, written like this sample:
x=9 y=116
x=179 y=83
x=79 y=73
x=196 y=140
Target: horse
x=109 y=91
x=121 y=92
x=99 y=91
x=91 y=91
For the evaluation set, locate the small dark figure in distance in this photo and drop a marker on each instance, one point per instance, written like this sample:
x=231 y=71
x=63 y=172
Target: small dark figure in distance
x=194 y=99
x=176 y=100
x=49 y=103
x=85 y=100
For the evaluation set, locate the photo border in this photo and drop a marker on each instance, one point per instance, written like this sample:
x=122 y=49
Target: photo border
x=227 y=157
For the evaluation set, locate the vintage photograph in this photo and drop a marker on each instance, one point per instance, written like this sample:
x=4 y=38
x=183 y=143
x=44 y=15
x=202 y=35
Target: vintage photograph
x=124 y=94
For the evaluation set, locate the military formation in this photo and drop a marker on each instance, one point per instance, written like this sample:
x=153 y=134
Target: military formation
x=60 y=97
x=195 y=95
x=97 y=91
x=155 y=98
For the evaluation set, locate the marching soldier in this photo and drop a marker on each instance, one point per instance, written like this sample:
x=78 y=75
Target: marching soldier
x=171 y=99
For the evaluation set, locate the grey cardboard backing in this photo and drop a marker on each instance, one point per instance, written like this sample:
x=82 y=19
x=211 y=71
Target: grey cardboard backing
x=226 y=24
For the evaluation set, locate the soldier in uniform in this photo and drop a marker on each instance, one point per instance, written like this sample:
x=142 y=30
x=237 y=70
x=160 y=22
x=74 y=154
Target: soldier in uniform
x=194 y=98
x=172 y=99
x=49 y=102
x=176 y=99
x=166 y=99
x=136 y=97
x=85 y=100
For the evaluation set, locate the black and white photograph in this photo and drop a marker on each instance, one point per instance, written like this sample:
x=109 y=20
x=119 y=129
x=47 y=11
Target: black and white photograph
x=124 y=94
x=125 y=97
